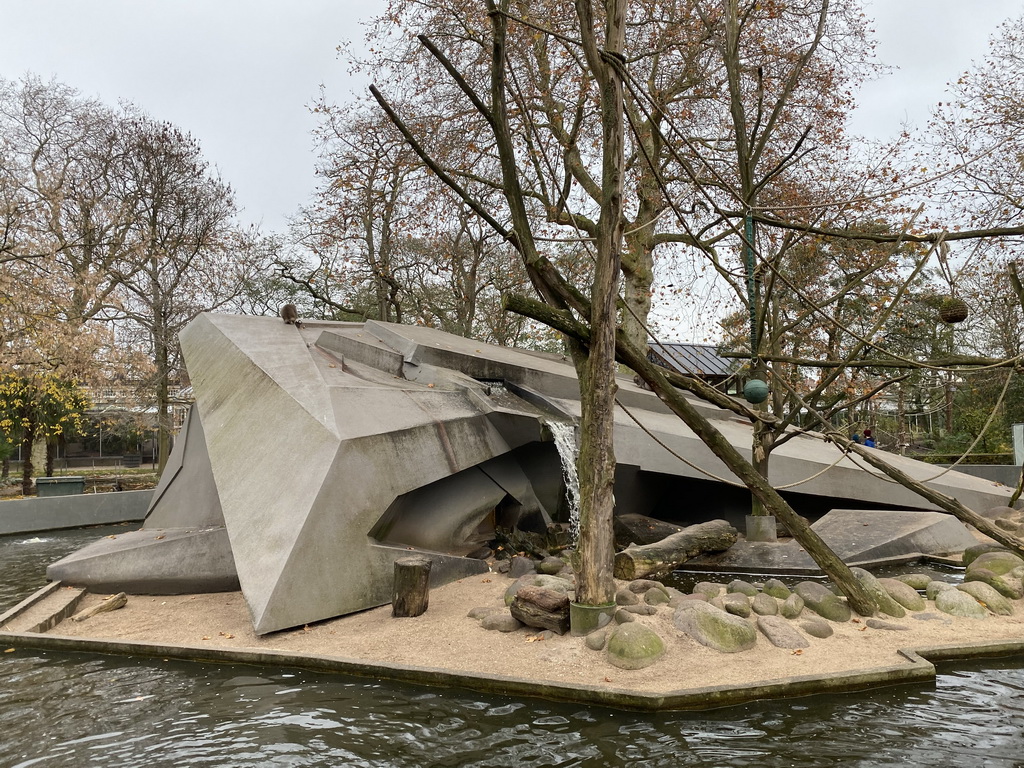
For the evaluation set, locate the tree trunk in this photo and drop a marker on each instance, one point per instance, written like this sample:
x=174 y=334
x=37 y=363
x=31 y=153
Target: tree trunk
x=51 y=455
x=665 y=556
x=411 y=592
x=28 y=437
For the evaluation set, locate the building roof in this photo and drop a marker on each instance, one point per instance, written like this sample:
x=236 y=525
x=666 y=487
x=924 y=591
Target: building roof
x=694 y=359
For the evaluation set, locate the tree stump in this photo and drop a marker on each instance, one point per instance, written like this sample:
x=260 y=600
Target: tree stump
x=411 y=591
x=543 y=608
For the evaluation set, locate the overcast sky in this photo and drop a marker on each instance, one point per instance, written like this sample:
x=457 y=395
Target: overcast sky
x=239 y=74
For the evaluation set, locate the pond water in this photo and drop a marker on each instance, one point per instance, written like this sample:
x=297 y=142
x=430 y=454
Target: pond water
x=59 y=709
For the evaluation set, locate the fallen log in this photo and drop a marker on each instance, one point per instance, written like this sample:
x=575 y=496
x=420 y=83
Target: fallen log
x=661 y=557
x=112 y=603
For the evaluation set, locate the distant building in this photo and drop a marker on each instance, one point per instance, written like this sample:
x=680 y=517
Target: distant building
x=701 y=360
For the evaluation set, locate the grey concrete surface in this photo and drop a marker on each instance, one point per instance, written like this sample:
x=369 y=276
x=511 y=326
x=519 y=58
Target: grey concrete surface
x=335 y=448
x=57 y=512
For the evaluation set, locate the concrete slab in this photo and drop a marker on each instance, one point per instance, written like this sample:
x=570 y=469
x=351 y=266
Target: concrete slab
x=61 y=512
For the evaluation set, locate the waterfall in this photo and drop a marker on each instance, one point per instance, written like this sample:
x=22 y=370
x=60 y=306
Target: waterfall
x=564 y=435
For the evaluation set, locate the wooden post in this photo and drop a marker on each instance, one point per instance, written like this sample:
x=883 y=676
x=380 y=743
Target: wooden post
x=411 y=591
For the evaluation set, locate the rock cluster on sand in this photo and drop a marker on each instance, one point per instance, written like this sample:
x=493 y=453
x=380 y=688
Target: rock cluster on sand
x=734 y=617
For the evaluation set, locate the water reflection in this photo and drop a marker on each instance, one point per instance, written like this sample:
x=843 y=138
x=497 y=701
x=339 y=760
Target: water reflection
x=78 y=710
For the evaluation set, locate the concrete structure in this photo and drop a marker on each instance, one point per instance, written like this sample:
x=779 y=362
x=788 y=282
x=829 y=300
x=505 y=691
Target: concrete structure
x=79 y=511
x=329 y=451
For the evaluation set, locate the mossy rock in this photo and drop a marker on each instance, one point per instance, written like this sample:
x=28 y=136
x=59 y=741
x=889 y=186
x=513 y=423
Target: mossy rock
x=634 y=646
x=1000 y=563
x=792 y=606
x=886 y=604
x=715 y=628
x=741 y=587
x=820 y=599
x=904 y=594
x=537 y=580
x=988 y=597
x=917 y=581
x=764 y=605
x=1007 y=586
x=957 y=603
x=776 y=588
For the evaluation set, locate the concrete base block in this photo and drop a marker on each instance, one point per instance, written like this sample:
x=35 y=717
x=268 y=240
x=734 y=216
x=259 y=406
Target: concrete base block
x=762 y=528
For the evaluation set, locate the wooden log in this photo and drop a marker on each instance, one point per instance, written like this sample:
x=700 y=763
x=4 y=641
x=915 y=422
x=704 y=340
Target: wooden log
x=112 y=603
x=543 y=608
x=411 y=591
x=664 y=556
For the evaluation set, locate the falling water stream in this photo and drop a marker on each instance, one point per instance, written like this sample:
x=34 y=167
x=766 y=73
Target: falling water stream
x=564 y=434
x=71 y=710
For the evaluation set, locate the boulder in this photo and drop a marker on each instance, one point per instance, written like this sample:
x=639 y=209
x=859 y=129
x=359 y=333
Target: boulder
x=482 y=610
x=780 y=632
x=656 y=597
x=918 y=581
x=520 y=566
x=886 y=625
x=764 y=605
x=792 y=606
x=641 y=610
x=816 y=627
x=634 y=646
x=741 y=587
x=622 y=616
x=1007 y=586
x=737 y=604
x=714 y=628
x=934 y=587
x=595 y=640
x=501 y=622
x=551 y=565
x=626 y=597
x=904 y=594
x=642 y=585
x=556 y=583
x=820 y=599
x=988 y=597
x=776 y=588
x=678 y=600
x=973 y=553
x=957 y=603
x=882 y=599
x=1000 y=563
x=709 y=589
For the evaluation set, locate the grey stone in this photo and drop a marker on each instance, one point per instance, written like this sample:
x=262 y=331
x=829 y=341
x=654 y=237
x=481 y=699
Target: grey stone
x=917 y=581
x=886 y=625
x=999 y=563
x=904 y=594
x=634 y=646
x=957 y=603
x=764 y=605
x=642 y=585
x=780 y=632
x=502 y=566
x=626 y=597
x=482 y=610
x=741 y=587
x=816 y=627
x=595 y=640
x=556 y=583
x=1007 y=586
x=715 y=628
x=622 y=616
x=520 y=566
x=934 y=587
x=995 y=513
x=501 y=622
x=821 y=600
x=737 y=604
x=792 y=606
x=551 y=565
x=678 y=600
x=988 y=597
x=776 y=588
x=929 y=616
x=641 y=610
x=1007 y=524
x=709 y=589
x=656 y=597
x=972 y=553
x=882 y=599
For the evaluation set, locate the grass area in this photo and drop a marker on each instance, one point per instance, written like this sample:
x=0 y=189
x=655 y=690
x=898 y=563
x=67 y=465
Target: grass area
x=97 y=480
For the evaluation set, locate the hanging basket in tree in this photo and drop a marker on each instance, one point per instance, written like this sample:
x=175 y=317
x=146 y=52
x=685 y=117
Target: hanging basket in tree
x=953 y=310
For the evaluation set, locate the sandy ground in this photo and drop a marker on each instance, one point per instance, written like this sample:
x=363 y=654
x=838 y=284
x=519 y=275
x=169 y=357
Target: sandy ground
x=444 y=637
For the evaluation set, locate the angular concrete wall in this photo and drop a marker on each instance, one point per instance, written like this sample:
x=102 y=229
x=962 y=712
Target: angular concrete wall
x=79 y=511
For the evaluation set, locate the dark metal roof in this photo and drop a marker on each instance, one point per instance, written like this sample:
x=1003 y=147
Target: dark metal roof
x=694 y=359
